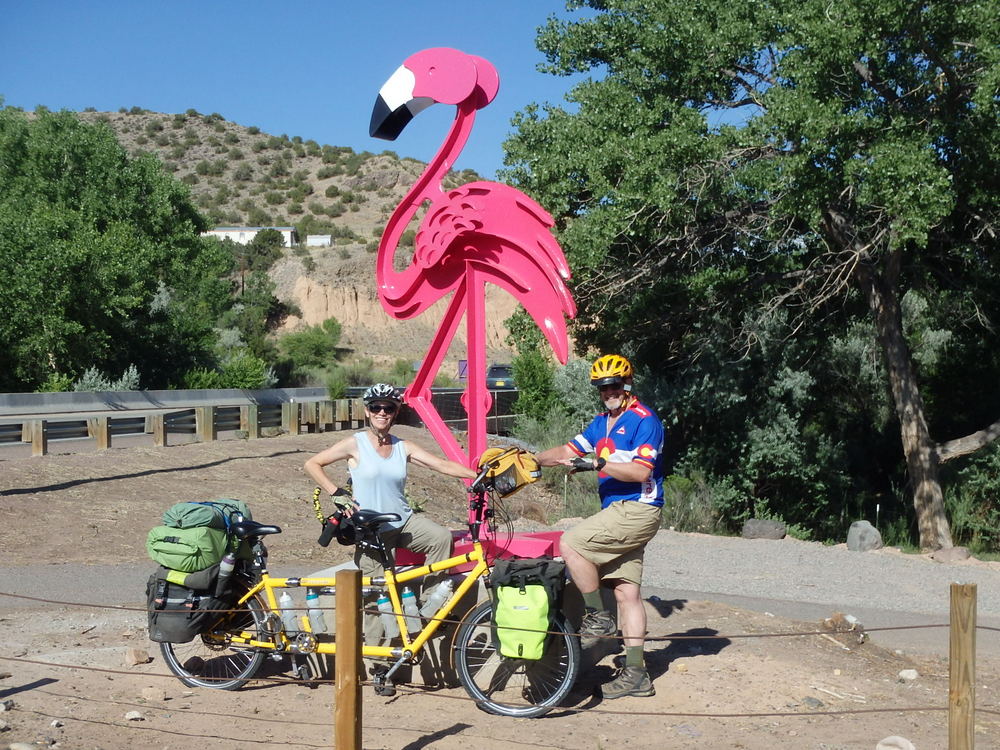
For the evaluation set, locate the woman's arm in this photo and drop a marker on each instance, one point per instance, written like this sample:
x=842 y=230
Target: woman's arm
x=441 y=465
x=341 y=451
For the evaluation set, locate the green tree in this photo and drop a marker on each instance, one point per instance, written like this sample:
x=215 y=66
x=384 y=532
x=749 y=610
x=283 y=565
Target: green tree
x=101 y=262
x=315 y=346
x=863 y=166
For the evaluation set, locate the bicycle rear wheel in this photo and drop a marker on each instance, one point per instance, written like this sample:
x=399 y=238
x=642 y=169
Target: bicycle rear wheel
x=523 y=688
x=211 y=661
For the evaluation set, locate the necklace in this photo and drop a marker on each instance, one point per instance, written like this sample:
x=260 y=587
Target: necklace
x=380 y=438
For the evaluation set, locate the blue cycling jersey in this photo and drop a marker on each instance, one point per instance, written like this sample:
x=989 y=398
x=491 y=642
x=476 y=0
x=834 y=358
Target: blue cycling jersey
x=637 y=435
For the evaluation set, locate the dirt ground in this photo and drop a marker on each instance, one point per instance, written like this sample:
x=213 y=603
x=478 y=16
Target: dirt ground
x=819 y=691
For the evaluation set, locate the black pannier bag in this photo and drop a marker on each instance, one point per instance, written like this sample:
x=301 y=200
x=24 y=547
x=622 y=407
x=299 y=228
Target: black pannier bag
x=183 y=605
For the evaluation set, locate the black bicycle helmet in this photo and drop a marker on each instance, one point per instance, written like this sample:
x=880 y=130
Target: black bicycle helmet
x=382 y=392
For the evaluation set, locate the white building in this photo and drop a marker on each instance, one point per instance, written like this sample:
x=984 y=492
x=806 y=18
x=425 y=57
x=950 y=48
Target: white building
x=319 y=240
x=243 y=235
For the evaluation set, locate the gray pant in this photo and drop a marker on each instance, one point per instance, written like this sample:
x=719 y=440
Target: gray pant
x=418 y=534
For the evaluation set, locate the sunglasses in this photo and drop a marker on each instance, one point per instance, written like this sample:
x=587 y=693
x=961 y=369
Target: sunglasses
x=611 y=386
x=387 y=408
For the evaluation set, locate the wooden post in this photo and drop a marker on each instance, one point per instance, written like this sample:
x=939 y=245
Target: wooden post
x=358 y=412
x=347 y=699
x=309 y=416
x=252 y=421
x=39 y=437
x=204 y=423
x=158 y=426
x=290 y=417
x=325 y=414
x=962 y=668
x=102 y=431
x=343 y=413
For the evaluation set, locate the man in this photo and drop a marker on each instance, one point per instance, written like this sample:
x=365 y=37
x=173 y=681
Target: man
x=627 y=441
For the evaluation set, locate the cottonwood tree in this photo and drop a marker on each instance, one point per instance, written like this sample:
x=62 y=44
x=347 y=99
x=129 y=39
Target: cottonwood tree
x=101 y=262
x=773 y=155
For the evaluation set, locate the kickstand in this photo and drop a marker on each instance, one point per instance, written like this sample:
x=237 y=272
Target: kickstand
x=383 y=685
x=302 y=670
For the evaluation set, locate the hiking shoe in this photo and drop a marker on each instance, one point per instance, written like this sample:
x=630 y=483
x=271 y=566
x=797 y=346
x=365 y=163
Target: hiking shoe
x=595 y=626
x=630 y=681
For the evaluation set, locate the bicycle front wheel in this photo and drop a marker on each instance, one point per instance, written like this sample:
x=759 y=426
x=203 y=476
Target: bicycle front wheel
x=522 y=688
x=211 y=660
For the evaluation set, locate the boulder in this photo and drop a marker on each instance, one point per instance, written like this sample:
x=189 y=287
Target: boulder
x=895 y=743
x=950 y=554
x=862 y=537
x=763 y=528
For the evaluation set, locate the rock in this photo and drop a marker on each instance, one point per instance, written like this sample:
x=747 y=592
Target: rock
x=134 y=716
x=950 y=554
x=863 y=537
x=811 y=702
x=154 y=694
x=136 y=656
x=895 y=742
x=763 y=528
x=7 y=705
x=56 y=723
x=908 y=675
x=4 y=726
x=22 y=746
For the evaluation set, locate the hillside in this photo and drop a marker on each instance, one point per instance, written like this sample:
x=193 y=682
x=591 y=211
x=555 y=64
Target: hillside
x=239 y=175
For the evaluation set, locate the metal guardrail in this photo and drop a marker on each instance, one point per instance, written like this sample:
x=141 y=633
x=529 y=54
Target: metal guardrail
x=252 y=419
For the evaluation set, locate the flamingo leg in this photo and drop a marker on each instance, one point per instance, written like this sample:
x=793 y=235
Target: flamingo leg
x=477 y=398
x=418 y=394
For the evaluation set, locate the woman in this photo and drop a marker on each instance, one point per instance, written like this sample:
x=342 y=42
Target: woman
x=377 y=462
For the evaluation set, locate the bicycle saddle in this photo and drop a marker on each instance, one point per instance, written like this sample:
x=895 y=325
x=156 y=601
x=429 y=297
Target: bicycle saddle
x=372 y=518
x=243 y=529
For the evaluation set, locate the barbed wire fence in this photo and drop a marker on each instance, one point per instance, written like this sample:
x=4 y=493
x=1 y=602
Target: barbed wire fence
x=958 y=651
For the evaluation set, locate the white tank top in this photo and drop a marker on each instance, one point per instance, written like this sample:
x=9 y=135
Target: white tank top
x=379 y=483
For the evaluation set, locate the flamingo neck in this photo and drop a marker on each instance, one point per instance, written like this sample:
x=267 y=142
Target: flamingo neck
x=427 y=187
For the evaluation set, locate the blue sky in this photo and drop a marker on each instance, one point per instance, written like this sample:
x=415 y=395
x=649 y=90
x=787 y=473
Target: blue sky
x=310 y=69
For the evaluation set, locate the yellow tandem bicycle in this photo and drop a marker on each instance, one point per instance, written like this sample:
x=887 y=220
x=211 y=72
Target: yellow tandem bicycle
x=230 y=654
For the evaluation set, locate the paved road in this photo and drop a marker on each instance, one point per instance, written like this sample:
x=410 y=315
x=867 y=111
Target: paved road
x=790 y=579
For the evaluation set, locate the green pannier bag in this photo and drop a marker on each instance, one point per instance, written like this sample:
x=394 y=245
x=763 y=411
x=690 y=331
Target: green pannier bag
x=527 y=598
x=196 y=535
x=188 y=549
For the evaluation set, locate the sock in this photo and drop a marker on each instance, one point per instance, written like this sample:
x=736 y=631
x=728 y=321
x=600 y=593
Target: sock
x=593 y=601
x=634 y=657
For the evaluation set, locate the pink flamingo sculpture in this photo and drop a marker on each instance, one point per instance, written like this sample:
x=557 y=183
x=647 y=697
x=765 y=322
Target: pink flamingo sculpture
x=481 y=232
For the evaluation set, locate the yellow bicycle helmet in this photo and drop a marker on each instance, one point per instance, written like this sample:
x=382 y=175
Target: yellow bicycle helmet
x=609 y=369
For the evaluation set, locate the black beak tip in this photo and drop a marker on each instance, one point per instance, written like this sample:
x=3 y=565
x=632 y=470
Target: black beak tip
x=386 y=123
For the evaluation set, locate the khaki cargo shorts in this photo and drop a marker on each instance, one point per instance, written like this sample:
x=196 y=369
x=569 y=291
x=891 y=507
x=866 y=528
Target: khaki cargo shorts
x=615 y=539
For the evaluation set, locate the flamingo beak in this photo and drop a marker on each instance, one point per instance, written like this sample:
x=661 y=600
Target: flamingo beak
x=396 y=105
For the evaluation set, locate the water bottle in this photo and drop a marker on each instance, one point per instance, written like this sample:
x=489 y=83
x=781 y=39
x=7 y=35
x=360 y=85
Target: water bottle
x=411 y=611
x=225 y=572
x=389 y=624
x=288 y=618
x=316 y=622
x=440 y=594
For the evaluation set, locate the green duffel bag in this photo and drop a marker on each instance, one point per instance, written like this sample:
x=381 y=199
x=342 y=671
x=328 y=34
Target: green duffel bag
x=216 y=514
x=187 y=549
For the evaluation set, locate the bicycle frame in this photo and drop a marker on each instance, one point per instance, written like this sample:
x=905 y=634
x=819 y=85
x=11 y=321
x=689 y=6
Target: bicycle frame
x=390 y=581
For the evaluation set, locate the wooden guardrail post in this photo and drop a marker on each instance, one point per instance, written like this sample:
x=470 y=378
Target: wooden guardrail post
x=347 y=699
x=310 y=416
x=102 y=431
x=290 y=417
x=204 y=423
x=39 y=429
x=357 y=412
x=158 y=426
x=342 y=413
x=962 y=668
x=325 y=414
x=252 y=417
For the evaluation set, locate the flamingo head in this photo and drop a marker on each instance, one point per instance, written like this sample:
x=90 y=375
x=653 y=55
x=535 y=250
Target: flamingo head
x=439 y=75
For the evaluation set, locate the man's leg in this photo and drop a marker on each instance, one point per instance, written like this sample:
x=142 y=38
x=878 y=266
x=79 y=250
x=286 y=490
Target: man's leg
x=634 y=679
